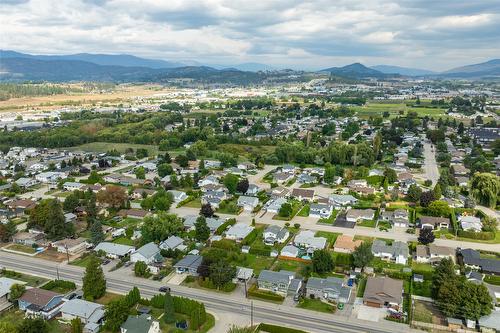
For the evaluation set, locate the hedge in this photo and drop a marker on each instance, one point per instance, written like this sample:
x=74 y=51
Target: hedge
x=277 y=329
x=250 y=238
x=191 y=308
x=51 y=285
x=482 y=235
x=260 y=251
x=224 y=226
x=262 y=294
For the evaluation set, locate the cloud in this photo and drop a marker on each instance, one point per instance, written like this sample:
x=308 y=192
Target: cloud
x=284 y=33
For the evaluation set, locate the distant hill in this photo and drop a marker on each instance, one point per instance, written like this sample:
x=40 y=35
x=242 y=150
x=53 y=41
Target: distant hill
x=485 y=69
x=407 y=71
x=355 y=70
x=98 y=59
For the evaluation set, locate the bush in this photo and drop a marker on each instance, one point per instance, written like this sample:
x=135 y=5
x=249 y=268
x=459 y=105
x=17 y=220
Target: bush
x=260 y=251
x=224 y=226
x=277 y=329
x=483 y=235
x=250 y=238
x=267 y=295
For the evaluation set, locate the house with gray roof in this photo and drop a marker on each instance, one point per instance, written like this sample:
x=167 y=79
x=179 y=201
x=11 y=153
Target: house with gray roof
x=189 y=264
x=320 y=210
x=178 y=196
x=398 y=217
x=355 y=215
x=275 y=233
x=239 y=231
x=143 y=323
x=173 y=243
x=282 y=282
x=91 y=314
x=342 y=200
x=307 y=240
x=114 y=250
x=329 y=289
x=274 y=205
x=248 y=203
x=397 y=251
x=383 y=292
x=149 y=253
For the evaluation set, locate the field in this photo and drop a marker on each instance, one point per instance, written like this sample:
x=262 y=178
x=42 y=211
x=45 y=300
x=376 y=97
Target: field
x=107 y=146
x=377 y=109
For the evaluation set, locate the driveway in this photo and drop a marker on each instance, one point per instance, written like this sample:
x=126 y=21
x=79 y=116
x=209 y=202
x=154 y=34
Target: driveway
x=370 y=313
x=431 y=170
x=341 y=222
x=177 y=279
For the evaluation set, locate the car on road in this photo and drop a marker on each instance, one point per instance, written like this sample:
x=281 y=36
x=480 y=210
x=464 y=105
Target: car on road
x=165 y=289
x=105 y=262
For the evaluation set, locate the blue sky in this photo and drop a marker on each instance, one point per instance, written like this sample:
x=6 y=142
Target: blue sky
x=435 y=35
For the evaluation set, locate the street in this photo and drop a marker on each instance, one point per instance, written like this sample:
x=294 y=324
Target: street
x=215 y=302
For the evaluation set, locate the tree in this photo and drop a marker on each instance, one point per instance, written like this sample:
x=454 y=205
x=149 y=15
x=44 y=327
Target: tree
x=7 y=231
x=160 y=226
x=322 y=261
x=444 y=270
x=206 y=210
x=202 y=231
x=222 y=273
x=414 y=193
x=141 y=269
x=426 y=236
x=8 y=327
x=437 y=191
x=165 y=169
x=485 y=188
x=94 y=283
x=140 y=173
x=33 y=325
x=242 y=186
x=362 y=255
x=96 y=233
x=182 y=160
x=16 y=291
x=236 y=329
x=426 y=198
x=71 y=202
x=231 y=182
x=76 y=325
x=286 y=210
x=329 y=175
x=133 y=297
x=390 y=175
x=169 y=312
x=48 y=215
x=116 y=313
x=438 y=208
x=113 y=196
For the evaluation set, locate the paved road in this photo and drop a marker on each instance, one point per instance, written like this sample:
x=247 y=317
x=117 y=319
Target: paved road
x=431 y=170
x=488 y=211
x=215 y=302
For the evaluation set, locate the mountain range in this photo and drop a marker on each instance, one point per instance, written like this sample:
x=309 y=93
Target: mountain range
x=16 y=66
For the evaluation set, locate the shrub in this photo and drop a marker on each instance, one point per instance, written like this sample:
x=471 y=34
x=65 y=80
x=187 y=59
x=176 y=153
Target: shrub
x=483 y=235
x=277 y=329
x=255 y=292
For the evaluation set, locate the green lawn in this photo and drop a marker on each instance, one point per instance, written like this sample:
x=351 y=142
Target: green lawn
x=331 y=237
x=124 y=241
x=32 y=281
x=492 y=279
x=195 y=203
x=82 y=261
x=304 y=211
x=229 y=207
x=422 y=288
x=330 y=219
x=361 y=287
x=422 y=313
x=21 y=248
x=257 y=263
x=372 y=108
x=289 y=265
x=367 y=223
x=296 y=206
x=107 y=146
x=316 y=305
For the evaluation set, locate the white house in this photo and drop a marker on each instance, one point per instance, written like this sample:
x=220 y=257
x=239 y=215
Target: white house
x=24 y=182
x=290 y=251
x=274 y=233
x=397 y=251
x=470 y=223
x=238 y=231
x=248 y=203
x=50 y=176
x=320 y=210
x=73 y=186
x=149 y=253
x=178 y=196
x=307 y=240
x=114 y=250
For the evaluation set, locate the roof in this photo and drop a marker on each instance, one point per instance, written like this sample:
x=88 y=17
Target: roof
x=328 y=283
x=37 y=296
x=491 y=321
x=303 y=192
x=239 y=230
x=383 y=289
x=113 y=248
x=137 y=324
x=341 y=198
x=244 y=273
x=396 y=249
x=277 y=277
x=149 y=250
x=83 y=309
x=6 y=283
x=290 y=249
x=366 y=214
x=172 y=242
x=307 y=238
x=245 y=200
x=189 y=261
x=433 y=220
x=133 y=212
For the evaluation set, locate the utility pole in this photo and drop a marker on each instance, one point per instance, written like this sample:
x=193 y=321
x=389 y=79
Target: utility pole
x=251 y=313
x=57 y=270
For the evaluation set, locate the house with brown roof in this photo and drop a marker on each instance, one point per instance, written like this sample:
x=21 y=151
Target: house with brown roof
x=28 y=238
x=133 y=213
x=433 y=253
x=71 y=246
x=40 y=303
x=20 y=206
x=433 y=222
x=303 y=194
x=383 y=292
x=346 y=244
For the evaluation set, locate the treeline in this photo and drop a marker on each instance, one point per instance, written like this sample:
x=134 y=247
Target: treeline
x=16 y=90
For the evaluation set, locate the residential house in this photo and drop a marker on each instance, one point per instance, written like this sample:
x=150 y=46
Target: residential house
x=279 y=192
x=282 y=177
x=246 y=166
x=470 y=223
x=40 y=303
x=74 y=186
x=274 y=205
x=303 y=194
x=90 y=314
x=398 y=217
x=173 y=243
x=329 y=289
x=355 y=215
x=491 y=322
x=459 y=170
x=346 y=244
x=71 y=246
x=140 y=193
x=320 y=210
x=28 y=238
x=397 y=251
x=252 y=190
x=282 y=282
x=239 y=231
x=5 y=285
x=114 y=250
x=433 y=222
x=383 y=292
x=189 y=264
x=143 y=323
x=433 y=253
x=342 y=200
x=307 y=240
x=290 y=251
x=248 y=203
x=148 y=253
x=133 y=213
x=25 y=183
x=472 y=258
x=178 y=196
x=208 y=180
x=305 y=178
x=275 y=234
x=49 y=176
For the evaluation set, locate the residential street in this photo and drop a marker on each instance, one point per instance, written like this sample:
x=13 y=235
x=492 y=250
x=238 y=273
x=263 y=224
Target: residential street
x=431 y=170
x=217 y=303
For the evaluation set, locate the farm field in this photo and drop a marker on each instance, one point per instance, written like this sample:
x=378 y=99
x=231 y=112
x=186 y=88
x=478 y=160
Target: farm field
x=374 y=108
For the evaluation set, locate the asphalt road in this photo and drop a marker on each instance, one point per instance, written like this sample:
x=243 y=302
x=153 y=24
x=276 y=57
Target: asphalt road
x=214 y=302
x=431 y=170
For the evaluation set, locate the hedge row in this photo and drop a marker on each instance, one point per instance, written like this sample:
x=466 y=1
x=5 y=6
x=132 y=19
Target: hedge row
x=224 y=226
x=251 y=237
x=482 y=235
x=260 y=251
x=51 y=285
x=254 y=292
x=278 y=329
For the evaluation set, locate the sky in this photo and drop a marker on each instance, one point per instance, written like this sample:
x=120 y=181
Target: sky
x=314 y=34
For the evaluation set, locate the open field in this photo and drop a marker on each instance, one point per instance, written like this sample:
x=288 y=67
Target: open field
x=377 y=109
x=120 y=94
x=107 y=146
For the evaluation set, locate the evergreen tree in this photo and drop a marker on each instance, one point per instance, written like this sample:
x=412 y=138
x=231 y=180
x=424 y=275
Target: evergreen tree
x=76 y=325
x=202 y=231
x=116 y=314
x=437 y=191
x=94 y=283
x=169 y=312
x=96 y=233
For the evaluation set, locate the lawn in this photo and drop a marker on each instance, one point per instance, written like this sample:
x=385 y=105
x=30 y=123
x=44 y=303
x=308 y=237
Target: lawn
x=82 y=261
x=32 y=281
x=367 y=223
x=316 y=305
x=107 y=298
x=304 y=211
x=124 y=241
x=198 y=283
x=330 y=219
x=492 y=279
x=372 y=108
x=422 y=288
x=361 y=287
x=16 y=317
x=257 y=263
x=421 y=312
x=21 y=248
x=107 y=146
x=229 y=207
x=289 y=265
x=195 y=203
x=331 y=237
x=296 y=206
